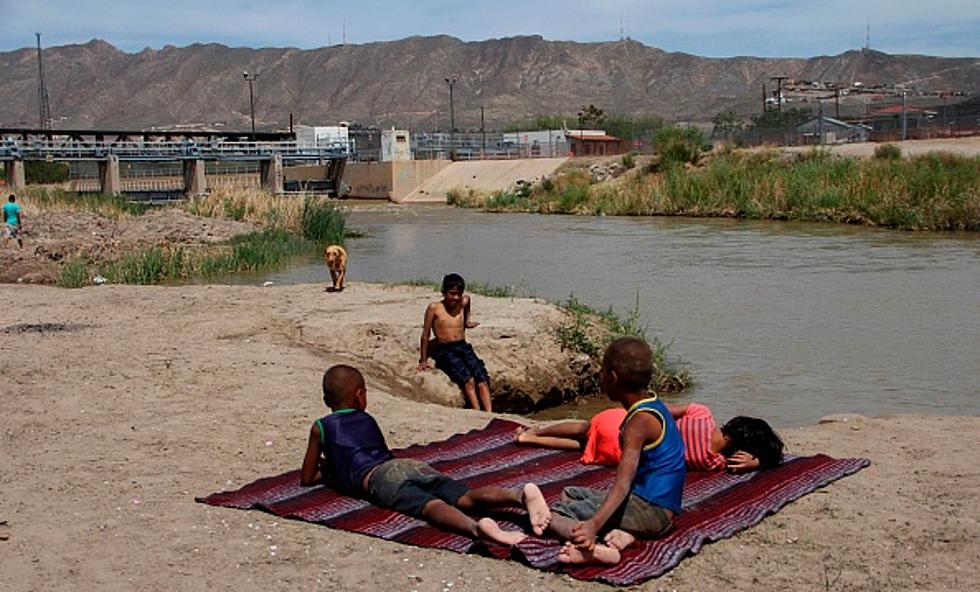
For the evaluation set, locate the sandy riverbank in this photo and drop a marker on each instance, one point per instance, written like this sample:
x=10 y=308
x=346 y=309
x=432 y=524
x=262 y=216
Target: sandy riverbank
x=154 y=395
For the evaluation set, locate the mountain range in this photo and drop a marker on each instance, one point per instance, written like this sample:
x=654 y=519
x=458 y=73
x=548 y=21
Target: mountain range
x=403 y=83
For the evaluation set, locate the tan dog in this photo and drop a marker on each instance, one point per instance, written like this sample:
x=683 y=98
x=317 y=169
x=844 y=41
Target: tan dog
x=336 y=258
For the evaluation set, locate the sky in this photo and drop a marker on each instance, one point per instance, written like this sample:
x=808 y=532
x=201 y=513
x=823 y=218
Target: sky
x=713 y=28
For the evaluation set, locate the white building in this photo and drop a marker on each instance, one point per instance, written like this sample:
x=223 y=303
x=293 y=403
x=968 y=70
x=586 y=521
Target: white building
x=395 y=145
x=333 y=136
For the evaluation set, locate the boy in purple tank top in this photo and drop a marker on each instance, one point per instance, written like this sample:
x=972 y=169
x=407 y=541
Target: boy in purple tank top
x=347 y=451
x=646 y=494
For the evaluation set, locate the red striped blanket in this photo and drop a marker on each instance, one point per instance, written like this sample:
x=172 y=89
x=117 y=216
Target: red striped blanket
x=716 y=505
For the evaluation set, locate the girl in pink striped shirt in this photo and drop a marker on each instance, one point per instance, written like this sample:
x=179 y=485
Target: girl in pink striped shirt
x=742 y=444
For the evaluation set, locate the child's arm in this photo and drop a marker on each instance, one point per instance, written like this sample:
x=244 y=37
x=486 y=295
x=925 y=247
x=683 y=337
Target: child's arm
x=677 y=410
x=640 y=429
x=311 y=474
x=466 y=314
x=430 y=315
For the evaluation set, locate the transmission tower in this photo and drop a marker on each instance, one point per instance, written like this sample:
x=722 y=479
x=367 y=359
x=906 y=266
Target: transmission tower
x=43 y=108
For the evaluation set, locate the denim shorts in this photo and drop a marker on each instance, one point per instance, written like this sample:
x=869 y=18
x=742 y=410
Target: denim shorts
x=407 y=485
x=460 y=363
x=636 y=516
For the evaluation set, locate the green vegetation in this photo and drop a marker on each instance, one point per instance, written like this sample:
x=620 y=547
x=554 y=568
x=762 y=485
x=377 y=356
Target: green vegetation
x=74 y=274
x=589 y=331
x=254 y=251
x=40 y=171
x=888 y=152
x=678 y=145
x=323 y=221
x=629 y=160
x=40 y=199
x=483 y=289
x=931 y=192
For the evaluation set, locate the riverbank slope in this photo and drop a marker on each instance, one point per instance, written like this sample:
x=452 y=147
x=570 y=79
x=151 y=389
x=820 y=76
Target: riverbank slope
x=122 y=403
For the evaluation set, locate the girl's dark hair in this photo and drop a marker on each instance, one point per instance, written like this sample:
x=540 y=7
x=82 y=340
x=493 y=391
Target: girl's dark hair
x=753 y=435
x=453 y=281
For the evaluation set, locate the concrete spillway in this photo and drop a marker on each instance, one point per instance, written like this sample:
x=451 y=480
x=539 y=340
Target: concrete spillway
x=483 y=176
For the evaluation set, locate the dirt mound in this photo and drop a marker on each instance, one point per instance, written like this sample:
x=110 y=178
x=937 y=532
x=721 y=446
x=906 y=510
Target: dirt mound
x=53 y=237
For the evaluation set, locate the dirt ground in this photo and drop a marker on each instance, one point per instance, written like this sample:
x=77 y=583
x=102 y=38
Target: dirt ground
x=52 y=237
x=122 y=403
x=963 y=146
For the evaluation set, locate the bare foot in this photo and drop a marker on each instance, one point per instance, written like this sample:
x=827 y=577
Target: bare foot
x=600 y=554
x=537 y=508
x=490 y=530
x=524 y=435
x=619 y=539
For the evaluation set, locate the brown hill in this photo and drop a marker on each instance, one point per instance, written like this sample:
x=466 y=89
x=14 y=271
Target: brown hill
x=402 y=82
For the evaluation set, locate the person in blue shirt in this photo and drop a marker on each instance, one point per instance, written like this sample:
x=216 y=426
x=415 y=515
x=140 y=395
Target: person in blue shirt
x=14 y=220
x=646 y=494
x=347 y=451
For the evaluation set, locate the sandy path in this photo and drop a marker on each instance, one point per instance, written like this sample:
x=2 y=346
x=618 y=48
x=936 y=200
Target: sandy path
x=156 y=395
x=963 y=146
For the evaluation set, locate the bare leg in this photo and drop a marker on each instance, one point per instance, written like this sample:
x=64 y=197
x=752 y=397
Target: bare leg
x=489 y=529
x=439 y=513
x=599 y=554
x=491 y=496
x=561 y=526
x=340 y=280
x=619 y=539
x=483 y=390
x=469 y=391
x=529 y=438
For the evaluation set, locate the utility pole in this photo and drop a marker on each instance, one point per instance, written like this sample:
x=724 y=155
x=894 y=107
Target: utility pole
x=820 y=124
x=43 y=107
x=905 y=106
x=483 y=129
x=250 y=78
x=779 y=92
x=836 y=103
x=452 y=112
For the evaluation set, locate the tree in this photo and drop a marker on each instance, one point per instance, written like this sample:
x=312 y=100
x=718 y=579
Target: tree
x=591 y=117
x=726 y=124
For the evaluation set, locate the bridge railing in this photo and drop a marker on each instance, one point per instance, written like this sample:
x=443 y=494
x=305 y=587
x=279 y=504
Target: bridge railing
x=57 y=149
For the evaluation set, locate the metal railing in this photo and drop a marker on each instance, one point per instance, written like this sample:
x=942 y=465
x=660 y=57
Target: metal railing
x=69 y=149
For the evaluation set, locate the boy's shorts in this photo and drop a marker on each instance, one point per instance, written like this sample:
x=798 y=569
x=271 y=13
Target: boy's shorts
x=406 y=485
x=458 y=360
x=12 y=231
x=636 y=516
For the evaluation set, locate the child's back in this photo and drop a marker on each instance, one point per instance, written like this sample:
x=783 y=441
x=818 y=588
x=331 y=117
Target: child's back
x=352 y=444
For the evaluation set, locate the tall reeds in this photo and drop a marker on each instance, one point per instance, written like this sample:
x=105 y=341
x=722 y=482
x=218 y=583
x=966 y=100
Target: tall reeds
x=931 y=192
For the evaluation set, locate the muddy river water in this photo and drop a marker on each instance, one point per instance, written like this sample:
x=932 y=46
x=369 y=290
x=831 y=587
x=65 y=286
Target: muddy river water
x=786 y=321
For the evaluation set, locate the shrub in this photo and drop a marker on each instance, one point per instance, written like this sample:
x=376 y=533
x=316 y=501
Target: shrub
x=888 y=152
x=74 y=274
x=40 y=171
x=677 y=144
x=323 y=221
x=629 y=160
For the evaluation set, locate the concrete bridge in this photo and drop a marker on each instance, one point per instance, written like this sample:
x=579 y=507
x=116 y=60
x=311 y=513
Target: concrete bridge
x=191 y=149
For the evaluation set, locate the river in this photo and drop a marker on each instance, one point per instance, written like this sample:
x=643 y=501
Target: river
x=786 y=321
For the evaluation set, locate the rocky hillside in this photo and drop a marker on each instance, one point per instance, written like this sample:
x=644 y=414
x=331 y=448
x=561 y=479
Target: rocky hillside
x=402 y=82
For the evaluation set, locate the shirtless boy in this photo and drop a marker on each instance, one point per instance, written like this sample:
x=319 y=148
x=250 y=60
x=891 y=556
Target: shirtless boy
x=448 y=319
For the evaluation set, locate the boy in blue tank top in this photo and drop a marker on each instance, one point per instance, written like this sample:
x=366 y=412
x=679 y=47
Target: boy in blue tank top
x=646 y=494
x=347 y=451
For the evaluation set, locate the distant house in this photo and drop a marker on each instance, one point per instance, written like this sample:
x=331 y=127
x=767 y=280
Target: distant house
x=889 y=119
x=827 y=130
x=596 y=145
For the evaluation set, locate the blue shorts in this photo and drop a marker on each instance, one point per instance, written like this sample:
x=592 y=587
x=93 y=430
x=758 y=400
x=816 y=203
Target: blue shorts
x=458 y=360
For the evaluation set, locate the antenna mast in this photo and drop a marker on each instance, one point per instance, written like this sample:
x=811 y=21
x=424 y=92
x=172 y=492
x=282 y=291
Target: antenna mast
x=43 y=108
